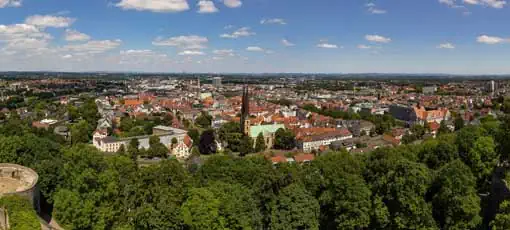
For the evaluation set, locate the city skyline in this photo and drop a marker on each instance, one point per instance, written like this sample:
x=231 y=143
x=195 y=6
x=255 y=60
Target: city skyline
x=234 y=36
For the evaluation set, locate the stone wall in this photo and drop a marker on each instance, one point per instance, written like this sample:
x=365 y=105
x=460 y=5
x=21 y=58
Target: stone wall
x=23 y=182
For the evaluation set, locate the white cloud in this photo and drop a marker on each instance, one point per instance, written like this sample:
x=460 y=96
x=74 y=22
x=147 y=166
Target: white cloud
x=273 y=21
x=227 y=27
x=232 y=3
x=206 y=7
x=10 y=3
x=498 y=4
x=67 y=56
x=241 y=32
x=254 y=49
x=191 y=53
x=377 y=38
x=372 y=8
x=74 y=35
x=16 y=31
x=183 y=42
x=446 y=46
x=490 y=40
x=224 y=52
x=23 y=37
x=490 y=3
x=154 y=5
x=93 y=47
x=44 y=21
x=364 y=47
x=136 y=52
x=326 y=45
x=287 y=43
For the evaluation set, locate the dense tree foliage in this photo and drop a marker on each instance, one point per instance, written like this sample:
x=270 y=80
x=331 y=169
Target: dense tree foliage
x=22 y=215
x=207 y=143
x=284 y=139
x=433 y=185
x=455 y=202
x=260 y=143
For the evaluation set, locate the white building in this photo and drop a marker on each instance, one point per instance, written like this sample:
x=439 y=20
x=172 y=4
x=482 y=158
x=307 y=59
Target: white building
x=111 y=144
x=315 y=142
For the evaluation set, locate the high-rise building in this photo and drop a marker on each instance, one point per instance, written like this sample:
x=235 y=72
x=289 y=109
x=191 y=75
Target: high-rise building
x=491 y=86
x=216 y=82
x=245 y=112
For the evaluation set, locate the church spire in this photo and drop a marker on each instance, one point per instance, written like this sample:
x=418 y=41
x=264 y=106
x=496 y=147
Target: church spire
x=245 y=111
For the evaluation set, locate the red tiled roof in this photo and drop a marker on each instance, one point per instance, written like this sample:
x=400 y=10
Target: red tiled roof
x=304 y=158
x=279 y=159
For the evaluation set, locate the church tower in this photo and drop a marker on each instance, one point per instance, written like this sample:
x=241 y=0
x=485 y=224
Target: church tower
x=245 y=112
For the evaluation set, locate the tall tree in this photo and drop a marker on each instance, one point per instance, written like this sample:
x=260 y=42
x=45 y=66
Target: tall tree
x=80 y=132
x=482 y=159
x=207 y=143
x=401 y=185
x=295 y=208
x=246 y=146
x=502 y=220
x=122 y=150
x=284 y=139
x=238 y=207
x=455 y=201
x=134 y=149
x=443 y=128
x=502 y=138
x=202 y=210
x=459 y=123
x=260 y=144
x=194 y=135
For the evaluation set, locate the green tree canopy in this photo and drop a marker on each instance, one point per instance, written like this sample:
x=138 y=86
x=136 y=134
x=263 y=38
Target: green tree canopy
x=260 y=144
x=455 y=202
x=284 y=139
x=295 y=208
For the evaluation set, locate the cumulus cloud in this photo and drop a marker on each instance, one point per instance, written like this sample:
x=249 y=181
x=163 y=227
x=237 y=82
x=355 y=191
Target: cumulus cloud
x=183 y=42
x=372 y=8
x=498 y=4
x=241 y=32
x=93 y=47
x=23 y=38
x=490 y=3
x=44 y=21
x=10 y=3
x=75 y=36
x=232 y=3
x=191 y=53
x=446 y=46
x=287 y=43
x=136 y=52
x=206 y=7
x=326 y=45
x=273 y=21
x=254 y=49
x=154 y=5
x=490 y=40
x=377 y=38
x=225 y=52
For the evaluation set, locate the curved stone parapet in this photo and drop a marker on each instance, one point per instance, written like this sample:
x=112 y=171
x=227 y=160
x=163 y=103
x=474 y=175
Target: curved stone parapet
x=19 y=180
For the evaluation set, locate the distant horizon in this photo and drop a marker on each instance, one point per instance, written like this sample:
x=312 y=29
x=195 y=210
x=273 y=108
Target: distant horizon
x=255 y=73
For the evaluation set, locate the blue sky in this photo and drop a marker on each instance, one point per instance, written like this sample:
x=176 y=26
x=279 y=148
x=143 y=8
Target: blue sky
x=330 y=36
